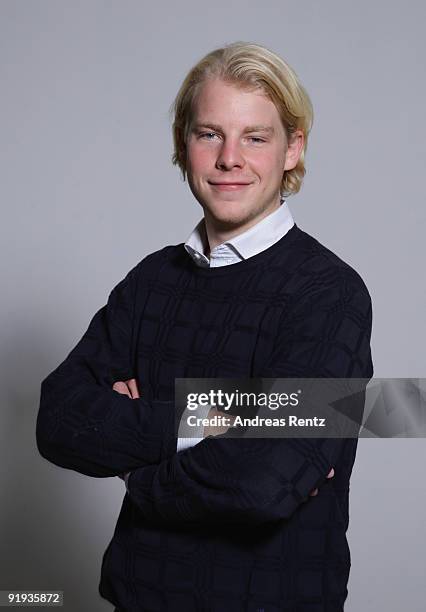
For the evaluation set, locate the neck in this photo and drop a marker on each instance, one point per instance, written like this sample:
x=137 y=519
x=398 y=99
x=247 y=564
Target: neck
x=219 y=232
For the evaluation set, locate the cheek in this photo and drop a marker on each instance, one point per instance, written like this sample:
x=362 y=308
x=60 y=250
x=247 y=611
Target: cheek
x=268 y=164
x=199 y=160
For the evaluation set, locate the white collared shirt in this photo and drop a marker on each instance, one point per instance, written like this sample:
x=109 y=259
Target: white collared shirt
x=254 y=240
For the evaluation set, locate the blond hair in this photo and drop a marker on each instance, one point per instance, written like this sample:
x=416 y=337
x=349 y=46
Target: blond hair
x=249 y=66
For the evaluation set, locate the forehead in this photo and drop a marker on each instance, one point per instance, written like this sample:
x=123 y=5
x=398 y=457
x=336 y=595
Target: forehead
x=220 y=102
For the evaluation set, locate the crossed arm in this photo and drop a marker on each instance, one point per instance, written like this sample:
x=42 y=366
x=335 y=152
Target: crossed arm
x=97 y=426
x=130 y=388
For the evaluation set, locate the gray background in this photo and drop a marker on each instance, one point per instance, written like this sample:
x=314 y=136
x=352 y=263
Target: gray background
x=88 y=189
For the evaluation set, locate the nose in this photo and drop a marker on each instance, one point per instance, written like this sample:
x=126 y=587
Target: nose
x=229 y=156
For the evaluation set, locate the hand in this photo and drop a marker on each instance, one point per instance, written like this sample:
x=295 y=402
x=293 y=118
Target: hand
x=330 y=475
x=211 y=430
x=130 y=388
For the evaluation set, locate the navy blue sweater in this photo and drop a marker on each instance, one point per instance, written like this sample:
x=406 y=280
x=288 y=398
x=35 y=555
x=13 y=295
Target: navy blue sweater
x=228 y=524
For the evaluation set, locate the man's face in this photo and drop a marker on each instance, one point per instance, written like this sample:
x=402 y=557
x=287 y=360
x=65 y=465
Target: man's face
x=236 y=155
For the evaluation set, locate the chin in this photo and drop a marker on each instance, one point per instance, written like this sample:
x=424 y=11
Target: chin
x=232 y=212
x=226 y=211
x=228 y=222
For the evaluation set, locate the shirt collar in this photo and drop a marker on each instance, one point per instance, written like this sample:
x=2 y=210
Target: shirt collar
x=254 y=240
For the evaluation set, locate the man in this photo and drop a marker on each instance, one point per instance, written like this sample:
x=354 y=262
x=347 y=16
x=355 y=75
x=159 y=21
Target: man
x=218 y=523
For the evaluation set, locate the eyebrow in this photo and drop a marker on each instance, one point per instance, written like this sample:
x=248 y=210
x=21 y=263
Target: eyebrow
x=250 y=128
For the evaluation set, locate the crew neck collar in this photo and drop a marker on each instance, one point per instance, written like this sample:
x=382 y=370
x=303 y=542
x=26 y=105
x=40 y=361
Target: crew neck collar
x=235 y=268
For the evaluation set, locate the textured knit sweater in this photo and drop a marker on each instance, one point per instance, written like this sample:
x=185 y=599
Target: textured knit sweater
x=228 y=524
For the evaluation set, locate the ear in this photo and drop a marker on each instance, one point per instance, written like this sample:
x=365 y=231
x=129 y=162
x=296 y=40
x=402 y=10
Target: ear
x=294 y=150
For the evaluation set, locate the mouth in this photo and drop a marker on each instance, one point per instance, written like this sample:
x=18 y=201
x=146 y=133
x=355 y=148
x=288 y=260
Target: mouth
x=229 y=186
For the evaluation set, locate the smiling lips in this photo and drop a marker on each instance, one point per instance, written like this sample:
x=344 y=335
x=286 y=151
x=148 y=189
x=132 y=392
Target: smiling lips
x=229 y=186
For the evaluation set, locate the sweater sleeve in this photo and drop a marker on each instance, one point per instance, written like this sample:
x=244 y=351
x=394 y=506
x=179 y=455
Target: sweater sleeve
x=259 y=479
x=82 y=423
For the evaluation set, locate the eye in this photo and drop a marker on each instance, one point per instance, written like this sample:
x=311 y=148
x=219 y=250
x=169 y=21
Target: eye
x=256 y=139
x=206 y=135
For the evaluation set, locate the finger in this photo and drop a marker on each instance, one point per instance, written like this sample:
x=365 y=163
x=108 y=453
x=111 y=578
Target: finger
x=133 y=386
x=314 y=492
x=331 y=473
x=121 y=387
